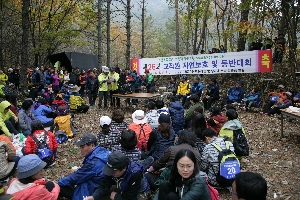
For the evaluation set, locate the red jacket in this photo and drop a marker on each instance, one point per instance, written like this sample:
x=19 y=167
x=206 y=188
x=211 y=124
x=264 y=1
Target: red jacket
x=59 y=102
x=30 y=145
x=37 y=191
x=219 y=121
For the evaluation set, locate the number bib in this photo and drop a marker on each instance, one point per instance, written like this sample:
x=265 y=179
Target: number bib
x=229 y=169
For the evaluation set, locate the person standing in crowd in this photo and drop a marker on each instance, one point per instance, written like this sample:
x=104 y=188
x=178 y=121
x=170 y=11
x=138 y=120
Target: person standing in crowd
x=10 y=75
x=127 y=175
x=48 y=77
x=30 y=183
x=92 y=86
x=73 y=77
x=130 y=78
x=103 y=89
x=61 y=78
x=55 y=81
x=149 y=82
x=84 y=181
x=82 y=81
x=29 y=78
x=42 y=78
x=186 y=181
x=212 y=93
x=235 y=94
x=3 y=77
x=249 y=185
x=66 y=77
x=183 y=89
x=113 y=87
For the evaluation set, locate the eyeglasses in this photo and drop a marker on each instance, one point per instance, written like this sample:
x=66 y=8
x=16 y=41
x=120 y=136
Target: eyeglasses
x=232 y=192
x=188 y=167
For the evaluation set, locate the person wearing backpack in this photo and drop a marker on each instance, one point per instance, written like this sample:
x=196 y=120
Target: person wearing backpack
x=41 y=140
x=210 y=159
x=186 y=181
x=63 y=122
x=141 y=128
x=151 y=115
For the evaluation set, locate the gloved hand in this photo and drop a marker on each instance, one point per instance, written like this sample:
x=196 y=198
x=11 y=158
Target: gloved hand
x=103 y=81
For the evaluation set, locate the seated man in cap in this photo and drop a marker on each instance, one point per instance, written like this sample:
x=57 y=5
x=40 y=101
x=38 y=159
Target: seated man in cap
x=89 y=176
x=126 y=175
x=235 y=94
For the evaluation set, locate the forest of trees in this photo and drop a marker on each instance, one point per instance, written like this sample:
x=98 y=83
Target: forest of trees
x=118 y=30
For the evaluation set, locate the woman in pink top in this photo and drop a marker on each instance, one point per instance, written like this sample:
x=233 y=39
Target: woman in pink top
x=55 y=81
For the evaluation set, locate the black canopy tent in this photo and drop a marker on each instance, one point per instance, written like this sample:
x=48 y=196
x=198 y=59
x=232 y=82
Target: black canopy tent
x=74 y=59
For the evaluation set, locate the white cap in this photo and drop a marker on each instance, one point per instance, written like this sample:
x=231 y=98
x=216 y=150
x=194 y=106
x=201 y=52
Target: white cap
x=138 y=117
x=105 y=69
x=105 y=120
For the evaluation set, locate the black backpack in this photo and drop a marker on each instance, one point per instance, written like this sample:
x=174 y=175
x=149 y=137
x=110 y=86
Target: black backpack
x=240 y=143
x=43 y=150
x=229 y=166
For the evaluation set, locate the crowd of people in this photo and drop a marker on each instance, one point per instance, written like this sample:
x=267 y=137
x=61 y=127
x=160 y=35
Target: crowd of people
x=178 y=151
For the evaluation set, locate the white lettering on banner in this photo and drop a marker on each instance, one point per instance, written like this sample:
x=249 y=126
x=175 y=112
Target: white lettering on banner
x=233 y=62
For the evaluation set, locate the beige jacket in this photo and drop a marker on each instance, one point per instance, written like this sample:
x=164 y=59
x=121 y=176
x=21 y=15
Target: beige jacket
x=5 y=166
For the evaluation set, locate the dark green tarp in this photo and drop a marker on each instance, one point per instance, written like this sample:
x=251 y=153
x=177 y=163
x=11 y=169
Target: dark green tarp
x=74 y=59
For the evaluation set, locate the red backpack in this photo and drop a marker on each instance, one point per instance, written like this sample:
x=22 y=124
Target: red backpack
x=142 y=143
x=213 y=192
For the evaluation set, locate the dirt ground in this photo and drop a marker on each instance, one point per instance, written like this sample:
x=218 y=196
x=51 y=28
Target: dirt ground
x=277 y=160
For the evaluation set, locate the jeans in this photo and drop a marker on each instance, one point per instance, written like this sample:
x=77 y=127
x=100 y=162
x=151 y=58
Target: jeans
x=101 y=95
x=92 y=97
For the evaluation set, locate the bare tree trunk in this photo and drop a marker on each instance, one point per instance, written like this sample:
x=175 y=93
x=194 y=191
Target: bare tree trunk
x=195 y=52
x=188 y=28
x=244 y=18
x=203 y=31
x=177 y=27
x=25 y=41
x=99 y=34
x=143 y=29
x=128 y=32
x=218 y=23
x=1 y=35
x=108 y=2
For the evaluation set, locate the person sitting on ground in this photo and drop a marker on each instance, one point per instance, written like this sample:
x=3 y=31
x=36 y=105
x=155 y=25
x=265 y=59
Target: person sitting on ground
x=210 y=155
x=251 y=100
x=235 y=94
x=128 y=144
x=151 y=115
x=58 y=101
x=127 y=175
x=8 y=120
x=30 y=183
x=196 y=88
x=160 y=106
x=141 y=128
x=118 y=122
x=194 y=99
x=44 y=113
x=107 y=137
x=39 y=134
x=186 y=140
x=216 y=119
x=183 y=89
x=161 y=138
x=85 y=180
x=176 y=111
x=76 y=102
x=173 y=85
x=212 y=93
x=63 y=122
x=280 y=104
x=8 y=158
x=274 y=96
x=26 y=117
x=249 y=185
x=232 y=124
x=12 y=98
x=185 y=174
x=198 y=125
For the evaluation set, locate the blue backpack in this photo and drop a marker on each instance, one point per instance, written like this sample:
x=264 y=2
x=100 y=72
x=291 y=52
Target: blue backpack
x=43 y=150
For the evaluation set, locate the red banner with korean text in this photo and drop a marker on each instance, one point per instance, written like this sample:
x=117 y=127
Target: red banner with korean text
x=264 y=60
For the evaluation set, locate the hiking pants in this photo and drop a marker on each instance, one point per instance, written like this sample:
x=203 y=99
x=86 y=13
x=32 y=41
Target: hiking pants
x=101 y=95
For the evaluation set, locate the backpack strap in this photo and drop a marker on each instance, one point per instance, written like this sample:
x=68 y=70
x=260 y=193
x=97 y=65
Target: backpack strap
x=217 y=146
x=35 y=139
x=142 y=130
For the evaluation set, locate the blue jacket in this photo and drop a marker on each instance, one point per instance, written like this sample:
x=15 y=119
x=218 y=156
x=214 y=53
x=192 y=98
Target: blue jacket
x=41 y=112
x=236 y=94
x=177 y=115
x=161 y=144
x=197 y=89
x=48 y=78
x=213 y=91
x=92 y=85
x=89 y=176
x=253 y=97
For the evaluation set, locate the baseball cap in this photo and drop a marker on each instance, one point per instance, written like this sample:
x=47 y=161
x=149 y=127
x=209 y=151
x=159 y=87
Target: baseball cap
x=280 y=86
x=85 y=139
x=147 y=71
x=116 y=160
x=105 y=69
x=105 y=120
x=241 y=83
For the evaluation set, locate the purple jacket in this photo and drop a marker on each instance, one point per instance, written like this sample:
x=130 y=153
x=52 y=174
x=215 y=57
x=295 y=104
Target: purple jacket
x=55 y=80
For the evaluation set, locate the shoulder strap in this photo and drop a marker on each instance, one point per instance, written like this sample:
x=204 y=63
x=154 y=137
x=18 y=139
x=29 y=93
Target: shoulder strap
x=217 y=147
x=35 y=139
x=227 y=144
x=142 y=130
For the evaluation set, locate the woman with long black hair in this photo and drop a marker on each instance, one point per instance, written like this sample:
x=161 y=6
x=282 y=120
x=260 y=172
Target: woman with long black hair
x=186 y=180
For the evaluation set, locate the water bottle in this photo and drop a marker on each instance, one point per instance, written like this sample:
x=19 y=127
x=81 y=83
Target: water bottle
x=21 y=136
